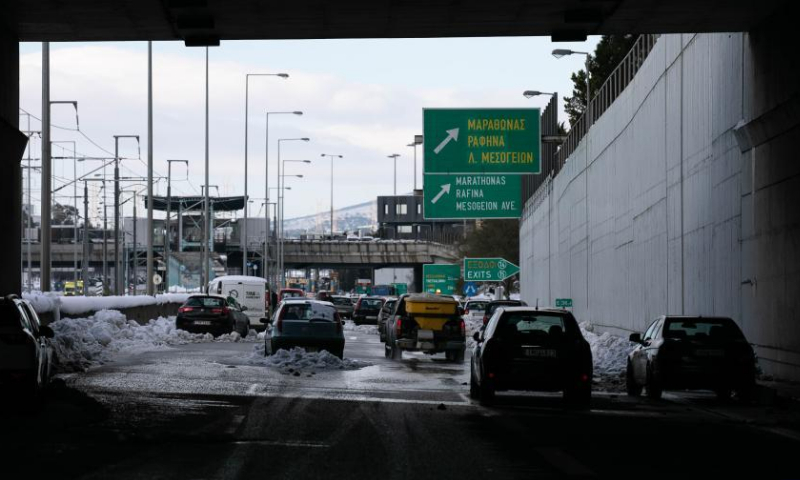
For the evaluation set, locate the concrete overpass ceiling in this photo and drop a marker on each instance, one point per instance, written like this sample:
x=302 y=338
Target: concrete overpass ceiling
x=200 y=22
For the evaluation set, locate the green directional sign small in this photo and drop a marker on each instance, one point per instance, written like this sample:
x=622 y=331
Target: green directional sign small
x=441 y=277
x=563 y=302
x=472 y=196
x=482 y=140
x=488 y=269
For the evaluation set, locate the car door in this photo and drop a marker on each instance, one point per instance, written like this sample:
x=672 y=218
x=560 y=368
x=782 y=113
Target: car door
x=44 y=344
x=639 y=355
x=33 y=330
x=652 y=345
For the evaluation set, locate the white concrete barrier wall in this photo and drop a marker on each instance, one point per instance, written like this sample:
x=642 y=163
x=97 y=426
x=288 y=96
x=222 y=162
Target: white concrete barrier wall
x=646 y=218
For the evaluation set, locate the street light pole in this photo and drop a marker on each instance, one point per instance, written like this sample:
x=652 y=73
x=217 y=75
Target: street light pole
x=75 y=208
x=332 y=156
x=394 y=156
x=167 y=236
x=558 y=53
x=281 y=195
x=117 y=269
x=246 y=118
x=279 y=208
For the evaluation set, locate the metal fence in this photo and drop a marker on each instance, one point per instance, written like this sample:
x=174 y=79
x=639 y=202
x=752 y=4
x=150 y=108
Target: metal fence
x=549 y=127
x=605 y=96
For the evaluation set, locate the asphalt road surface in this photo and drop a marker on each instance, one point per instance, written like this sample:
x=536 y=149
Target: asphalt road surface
x=200 y=411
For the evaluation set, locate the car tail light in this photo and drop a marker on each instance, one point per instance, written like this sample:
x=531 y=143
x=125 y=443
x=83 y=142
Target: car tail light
x=466 y=312
x=463 y=328
x=398 y=326
x=485 y=319
x=584 y=378
x=185 y=309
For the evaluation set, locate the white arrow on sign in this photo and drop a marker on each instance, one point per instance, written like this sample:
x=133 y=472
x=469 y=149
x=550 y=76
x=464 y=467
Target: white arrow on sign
x=445 y=189
x=452 y=134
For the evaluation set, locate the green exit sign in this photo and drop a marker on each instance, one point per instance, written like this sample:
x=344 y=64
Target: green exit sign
x=564 y=302
x=482 y=140
x=488 y=269
x=441 y=278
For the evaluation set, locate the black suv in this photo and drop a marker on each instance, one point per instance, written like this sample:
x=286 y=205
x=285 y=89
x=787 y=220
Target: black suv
x=523 y=348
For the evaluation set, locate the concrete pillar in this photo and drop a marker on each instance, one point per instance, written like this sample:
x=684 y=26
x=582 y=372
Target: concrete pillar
x=12 y=146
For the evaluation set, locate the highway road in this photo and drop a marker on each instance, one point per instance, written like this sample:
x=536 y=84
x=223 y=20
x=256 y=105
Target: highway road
x=202 y=411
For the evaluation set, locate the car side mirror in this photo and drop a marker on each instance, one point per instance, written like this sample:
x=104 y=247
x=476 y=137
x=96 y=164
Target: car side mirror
x=46 y=331
x=243 y=308
x=635 y=338
x=476 y=336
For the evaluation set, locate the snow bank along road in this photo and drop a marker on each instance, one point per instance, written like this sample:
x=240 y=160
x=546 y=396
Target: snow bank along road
x=151 y=402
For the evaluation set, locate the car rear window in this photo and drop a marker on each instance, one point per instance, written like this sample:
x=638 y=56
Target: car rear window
x=292 y=295
x=703 y=328
x=205 y=302
x=479 y=306
x=528 y=326
x=308 y=311
x=490 y=308
x=342 y=301
x=371 y=303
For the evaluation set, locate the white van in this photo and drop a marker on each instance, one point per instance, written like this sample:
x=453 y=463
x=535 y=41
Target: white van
x=247 y=291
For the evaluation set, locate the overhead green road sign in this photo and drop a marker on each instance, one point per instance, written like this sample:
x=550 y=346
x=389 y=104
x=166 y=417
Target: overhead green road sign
x=482 y=140
x=441 y=277
x=472 y=196
x=488 y=269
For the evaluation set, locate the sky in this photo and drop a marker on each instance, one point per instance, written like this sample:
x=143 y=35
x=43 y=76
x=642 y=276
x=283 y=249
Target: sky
x=361 y=99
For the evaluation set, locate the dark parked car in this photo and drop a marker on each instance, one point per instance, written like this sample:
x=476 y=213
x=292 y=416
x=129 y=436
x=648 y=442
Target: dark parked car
x=681 y=352
x=367 y=310
x=523 y=348
x=344 y=305
x=386 y=311
x=492 y=306
x=25 y=351
x=309 y=324
x=212 y=314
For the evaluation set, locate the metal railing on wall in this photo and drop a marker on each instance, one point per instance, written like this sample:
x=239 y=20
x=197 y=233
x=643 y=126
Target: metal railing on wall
x=555 y=156
x=608 y=92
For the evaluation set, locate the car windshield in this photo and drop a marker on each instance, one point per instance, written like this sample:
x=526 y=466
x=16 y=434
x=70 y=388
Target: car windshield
x=205 y=302
x=308 y=311
x=479 y=306
x=703 y=328
x=529 y=326
x=371 y=303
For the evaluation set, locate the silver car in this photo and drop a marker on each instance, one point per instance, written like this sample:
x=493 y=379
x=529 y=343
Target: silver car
x=344 y=305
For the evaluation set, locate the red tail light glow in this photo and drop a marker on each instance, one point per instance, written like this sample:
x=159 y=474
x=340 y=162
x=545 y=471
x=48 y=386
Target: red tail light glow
x=466 y=312
x=463 y=328
x=185 y=309
x=399 y=326
x=584 y=378
x=485 y=319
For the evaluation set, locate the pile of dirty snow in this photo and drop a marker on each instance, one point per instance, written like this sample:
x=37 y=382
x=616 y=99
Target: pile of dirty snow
x=610 y=356
x=350 y=326
x=297 y=360
x=81 y=343
x=43 y=302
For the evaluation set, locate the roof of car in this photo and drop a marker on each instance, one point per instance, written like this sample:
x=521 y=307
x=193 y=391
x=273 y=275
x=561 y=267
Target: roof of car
x=307 y=300
x=534 y=309
x=430 y=298
x=238 y=278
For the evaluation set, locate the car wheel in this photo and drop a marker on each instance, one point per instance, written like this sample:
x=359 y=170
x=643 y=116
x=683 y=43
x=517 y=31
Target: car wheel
x=631 y=387
x=486 y=393
x=458 y=356
x=654 y=388
x=397 y=353
x=473 y=386
x=387 y=351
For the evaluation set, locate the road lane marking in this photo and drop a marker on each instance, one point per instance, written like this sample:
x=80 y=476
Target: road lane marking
x=271 y=443
x=564 y=462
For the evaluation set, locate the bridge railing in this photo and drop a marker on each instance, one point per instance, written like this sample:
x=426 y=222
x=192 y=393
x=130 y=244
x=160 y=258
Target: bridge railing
x=613 y=86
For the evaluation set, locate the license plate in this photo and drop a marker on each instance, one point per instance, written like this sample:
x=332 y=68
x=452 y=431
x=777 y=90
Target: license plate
x=539 y=353
x=424 y=335
x=202 y=322
x=709 y=352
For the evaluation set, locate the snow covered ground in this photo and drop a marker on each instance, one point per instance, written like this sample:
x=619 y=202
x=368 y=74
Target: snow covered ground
x=349 y=326
x=81 y=343
x=298 y=362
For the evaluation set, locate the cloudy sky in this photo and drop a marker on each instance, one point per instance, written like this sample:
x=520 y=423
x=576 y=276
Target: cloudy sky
x=362 y=99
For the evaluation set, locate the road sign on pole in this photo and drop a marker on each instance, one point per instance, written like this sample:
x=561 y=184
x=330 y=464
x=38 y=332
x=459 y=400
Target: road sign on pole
x=563 y=302
x=470 y=289
x=472 y=196
x=482 y=140
x=488 y=269
x=441 y=277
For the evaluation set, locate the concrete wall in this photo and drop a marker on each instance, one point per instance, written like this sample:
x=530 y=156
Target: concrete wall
x=10 y=154
x=659 y=211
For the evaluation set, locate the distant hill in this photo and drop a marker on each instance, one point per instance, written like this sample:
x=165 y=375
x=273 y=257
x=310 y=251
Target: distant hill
x=349 y=218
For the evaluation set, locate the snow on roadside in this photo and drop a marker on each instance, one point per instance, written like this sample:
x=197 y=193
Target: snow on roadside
x=297 y=360
x=43 y=302
x=81 y=343
x=350 y=326
x=610 y=356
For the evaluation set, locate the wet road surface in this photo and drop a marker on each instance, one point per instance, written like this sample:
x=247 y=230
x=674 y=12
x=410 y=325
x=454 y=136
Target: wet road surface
x=200 y=411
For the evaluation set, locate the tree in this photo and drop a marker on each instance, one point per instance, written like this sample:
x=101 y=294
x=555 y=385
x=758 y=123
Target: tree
x=609 y=53
x=494 y=238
